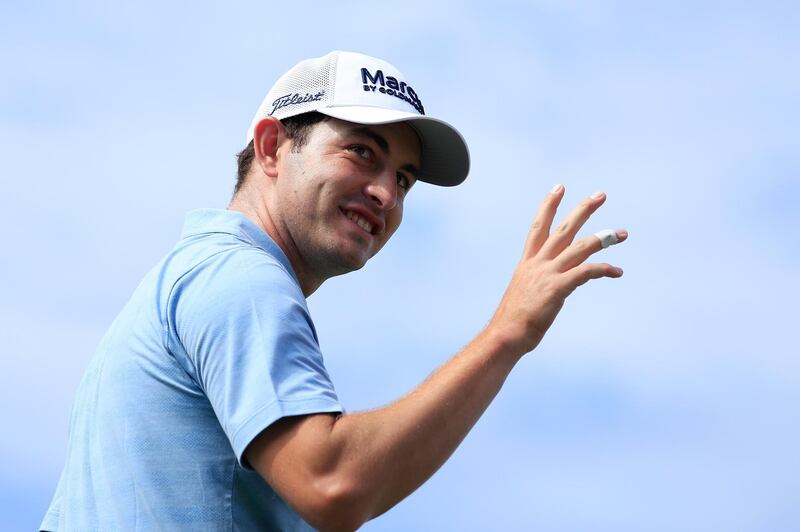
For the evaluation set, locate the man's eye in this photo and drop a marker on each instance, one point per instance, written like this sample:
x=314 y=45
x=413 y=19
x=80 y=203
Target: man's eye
x=361 y=151
x=403 y=181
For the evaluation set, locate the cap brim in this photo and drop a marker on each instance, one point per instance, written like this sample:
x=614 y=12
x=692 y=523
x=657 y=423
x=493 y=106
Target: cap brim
x=445 y=157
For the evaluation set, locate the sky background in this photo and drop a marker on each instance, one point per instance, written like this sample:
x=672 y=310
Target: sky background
x=665 y=400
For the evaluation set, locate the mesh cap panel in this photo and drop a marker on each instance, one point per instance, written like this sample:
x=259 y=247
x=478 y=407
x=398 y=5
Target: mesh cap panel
x=306 y=87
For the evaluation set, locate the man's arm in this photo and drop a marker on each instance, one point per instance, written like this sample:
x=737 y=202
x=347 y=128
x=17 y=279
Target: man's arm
x=338 y=472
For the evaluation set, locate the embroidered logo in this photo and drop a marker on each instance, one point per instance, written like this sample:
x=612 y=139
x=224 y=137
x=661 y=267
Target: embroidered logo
x=294 y=99
x=389 y=85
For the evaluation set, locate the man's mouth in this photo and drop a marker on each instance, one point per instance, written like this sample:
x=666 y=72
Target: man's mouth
x=359 y=220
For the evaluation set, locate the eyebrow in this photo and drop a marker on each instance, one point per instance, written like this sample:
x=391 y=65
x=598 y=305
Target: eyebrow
x=384 y=146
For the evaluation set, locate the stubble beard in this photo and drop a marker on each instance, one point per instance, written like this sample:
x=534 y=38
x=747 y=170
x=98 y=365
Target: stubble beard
x=328 y=258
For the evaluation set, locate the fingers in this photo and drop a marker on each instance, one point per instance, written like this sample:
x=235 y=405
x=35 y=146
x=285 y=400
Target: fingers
x=582 y=249
x=565 y=233
x=586 y=272
x=540 y=228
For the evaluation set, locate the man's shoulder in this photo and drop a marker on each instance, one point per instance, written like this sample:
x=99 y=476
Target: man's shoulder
x=229 y=236
x=219 y=269
x=215 y=264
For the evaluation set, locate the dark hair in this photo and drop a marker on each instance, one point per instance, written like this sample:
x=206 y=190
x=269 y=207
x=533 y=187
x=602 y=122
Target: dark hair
x=297 y=129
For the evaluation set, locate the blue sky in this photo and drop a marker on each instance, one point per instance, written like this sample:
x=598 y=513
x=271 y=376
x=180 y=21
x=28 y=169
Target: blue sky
x=665 y=400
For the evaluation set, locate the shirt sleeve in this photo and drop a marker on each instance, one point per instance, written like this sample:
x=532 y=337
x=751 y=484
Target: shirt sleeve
x=241 y=321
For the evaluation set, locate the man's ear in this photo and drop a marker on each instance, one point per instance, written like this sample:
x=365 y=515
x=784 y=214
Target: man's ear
x=268 y=136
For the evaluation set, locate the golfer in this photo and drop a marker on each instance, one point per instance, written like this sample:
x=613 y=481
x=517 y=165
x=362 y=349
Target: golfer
x=207 y=405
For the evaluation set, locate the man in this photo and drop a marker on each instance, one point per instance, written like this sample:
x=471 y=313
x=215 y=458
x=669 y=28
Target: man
x=207 y=405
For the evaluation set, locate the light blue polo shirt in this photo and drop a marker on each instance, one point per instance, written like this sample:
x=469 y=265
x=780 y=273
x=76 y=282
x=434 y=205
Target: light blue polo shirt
x=215 y=344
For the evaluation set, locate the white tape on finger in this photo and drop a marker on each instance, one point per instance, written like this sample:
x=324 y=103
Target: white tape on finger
x=608 y=237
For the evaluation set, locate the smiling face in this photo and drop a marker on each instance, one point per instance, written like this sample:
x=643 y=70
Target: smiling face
x=338 y=199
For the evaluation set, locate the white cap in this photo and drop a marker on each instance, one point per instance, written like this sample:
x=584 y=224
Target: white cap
x=366 y=90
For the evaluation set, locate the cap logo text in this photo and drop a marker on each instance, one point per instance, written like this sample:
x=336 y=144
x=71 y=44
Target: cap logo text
x=294 y=99
x=389 y=85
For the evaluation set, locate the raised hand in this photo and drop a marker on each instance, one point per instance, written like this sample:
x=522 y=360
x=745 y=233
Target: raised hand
x=551 y=268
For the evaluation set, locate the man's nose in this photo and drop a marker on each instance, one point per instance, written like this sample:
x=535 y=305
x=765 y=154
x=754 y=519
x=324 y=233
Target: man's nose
x=383 y=189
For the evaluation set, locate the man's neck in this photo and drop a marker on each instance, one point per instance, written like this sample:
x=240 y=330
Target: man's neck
x=259 y=215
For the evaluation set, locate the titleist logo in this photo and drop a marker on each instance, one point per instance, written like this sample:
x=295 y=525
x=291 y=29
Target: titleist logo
x=294 y=99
